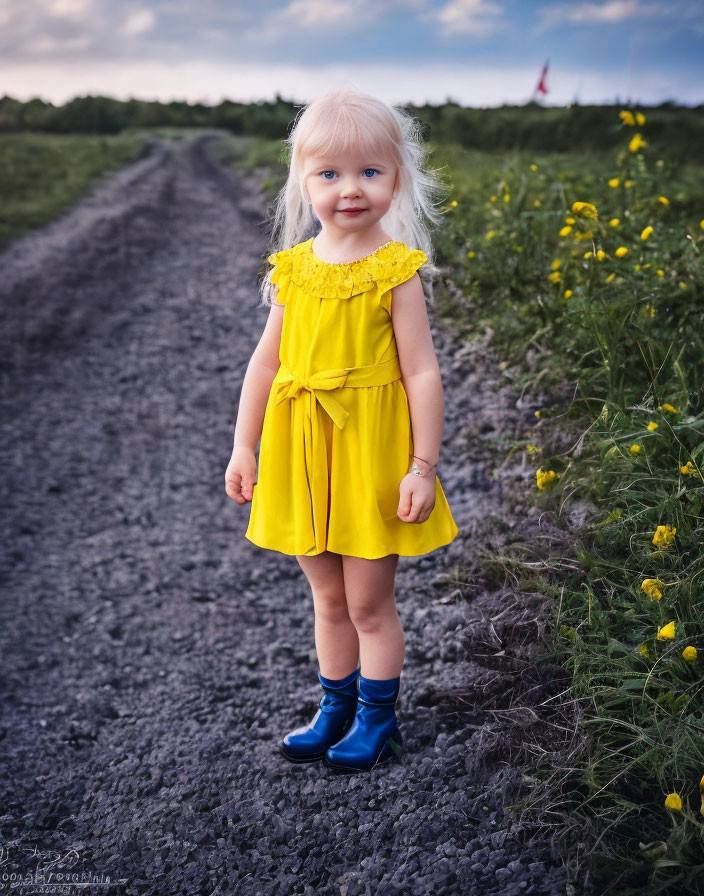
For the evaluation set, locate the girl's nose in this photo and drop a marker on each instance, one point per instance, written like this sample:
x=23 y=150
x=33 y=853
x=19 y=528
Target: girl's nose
x=350 y=188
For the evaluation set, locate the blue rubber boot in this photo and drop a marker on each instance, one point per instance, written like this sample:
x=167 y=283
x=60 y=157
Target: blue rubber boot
x=374 y=735
x=334 y=716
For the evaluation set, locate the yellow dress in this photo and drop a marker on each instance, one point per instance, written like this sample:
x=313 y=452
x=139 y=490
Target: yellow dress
x=336 y=437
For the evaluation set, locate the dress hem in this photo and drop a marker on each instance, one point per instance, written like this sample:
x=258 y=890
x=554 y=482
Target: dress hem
x=348 y=554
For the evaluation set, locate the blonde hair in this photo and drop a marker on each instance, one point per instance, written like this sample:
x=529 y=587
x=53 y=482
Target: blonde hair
x=346 y=118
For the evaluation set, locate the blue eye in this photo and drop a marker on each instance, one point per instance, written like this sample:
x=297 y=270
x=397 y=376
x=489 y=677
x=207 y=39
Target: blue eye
x=324 y=174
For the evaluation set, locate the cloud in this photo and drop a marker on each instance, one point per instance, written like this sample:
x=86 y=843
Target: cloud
x=475 y=17
x=68 y=8
x=139 y=21
x=610 y=13
x=318 y=13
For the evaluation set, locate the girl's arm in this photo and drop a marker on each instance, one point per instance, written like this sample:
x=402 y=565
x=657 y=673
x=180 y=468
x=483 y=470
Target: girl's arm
x=420 y=374
x=241 y=472
x=258 y=378
x=420 y=371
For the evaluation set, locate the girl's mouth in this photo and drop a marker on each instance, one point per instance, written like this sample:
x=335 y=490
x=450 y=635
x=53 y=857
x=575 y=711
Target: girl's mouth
x=351 y=211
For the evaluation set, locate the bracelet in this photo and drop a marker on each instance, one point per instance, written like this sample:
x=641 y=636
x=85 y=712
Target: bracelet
x=417 y=470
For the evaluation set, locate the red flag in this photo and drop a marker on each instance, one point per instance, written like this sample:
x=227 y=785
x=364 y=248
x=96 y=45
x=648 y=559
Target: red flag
x=542 y=86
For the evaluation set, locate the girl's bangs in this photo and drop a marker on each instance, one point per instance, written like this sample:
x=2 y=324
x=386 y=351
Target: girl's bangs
x=335 y=140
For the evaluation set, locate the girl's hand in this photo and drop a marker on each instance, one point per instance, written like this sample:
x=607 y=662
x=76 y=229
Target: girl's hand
x=417 y=498
x=241 y=475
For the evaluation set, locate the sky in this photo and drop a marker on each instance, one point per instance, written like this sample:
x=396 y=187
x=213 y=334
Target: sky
x=473 y=52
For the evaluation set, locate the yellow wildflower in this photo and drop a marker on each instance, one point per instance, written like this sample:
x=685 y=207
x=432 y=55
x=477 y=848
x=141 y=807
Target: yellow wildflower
x=628 y=184
x=545 y=479
x=536 y=203
x=492 y=198
x=554 y=277
x=610 y=277
x=537 y=414
x=568 y=293
x=646 y=232
x=640 y=119
x=471 y=253
x=614 y=182
x=644 y=650
x=532 y=449
x=614 y=222
x=666 y=632
x=664 y=536
x=506 y=197
x=490 y=234
x=673 y=801
x=688 y=469
x=566 y=230
x=701 y=223
x=660 y=272
x=690 y=654
x=636 y=143
x=621 y=252
x=668 y=407
x=652 y=426
x=586 y=209
x=635 y=449
x=589 y=254
x=453 y=204
x=627 y=118
x=636 y=267
x=650 y=309
x=652 y=588
x=665 y=201
x=533 y=167
x=556 y=263
x=682 y=284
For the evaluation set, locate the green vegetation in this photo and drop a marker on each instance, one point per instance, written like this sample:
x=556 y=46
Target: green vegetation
x=596 y=262
x=534 y=127
x=41 y=175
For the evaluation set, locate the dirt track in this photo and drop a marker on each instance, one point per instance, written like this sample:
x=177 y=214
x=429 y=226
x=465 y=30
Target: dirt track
x=153 y=657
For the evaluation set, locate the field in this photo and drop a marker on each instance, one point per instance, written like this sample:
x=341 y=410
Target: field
x=587 y=271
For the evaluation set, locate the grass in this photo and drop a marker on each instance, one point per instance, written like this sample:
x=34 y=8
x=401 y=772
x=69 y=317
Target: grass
x=42 y=175
x=627 y=334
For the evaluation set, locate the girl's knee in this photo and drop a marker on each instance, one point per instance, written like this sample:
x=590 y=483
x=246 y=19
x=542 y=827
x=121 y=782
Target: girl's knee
x=330 y=604
x=372 y=616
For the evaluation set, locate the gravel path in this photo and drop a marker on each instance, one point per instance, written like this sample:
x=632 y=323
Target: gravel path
x=152 y=657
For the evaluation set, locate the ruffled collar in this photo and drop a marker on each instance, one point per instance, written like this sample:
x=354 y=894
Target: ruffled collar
x=342 y=280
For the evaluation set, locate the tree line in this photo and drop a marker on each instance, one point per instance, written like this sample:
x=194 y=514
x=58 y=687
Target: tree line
x=672 y=130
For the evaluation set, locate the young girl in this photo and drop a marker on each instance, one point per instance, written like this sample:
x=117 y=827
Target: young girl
x=344 y=388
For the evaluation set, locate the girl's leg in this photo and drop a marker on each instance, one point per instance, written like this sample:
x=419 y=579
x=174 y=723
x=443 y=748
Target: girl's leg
x=371 y=604
x=336 y=640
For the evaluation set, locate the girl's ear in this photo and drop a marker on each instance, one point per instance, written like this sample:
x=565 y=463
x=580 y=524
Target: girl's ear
x=397 y=185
